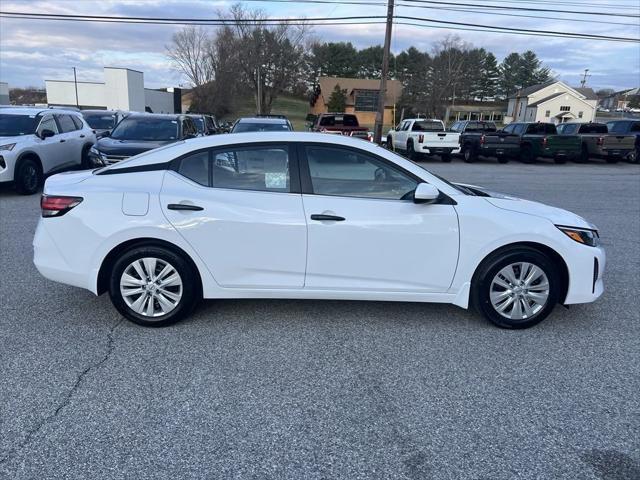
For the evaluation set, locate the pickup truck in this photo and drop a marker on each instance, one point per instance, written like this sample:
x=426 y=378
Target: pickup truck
x=483 y=139
x=627 y=126
x=598 y=142
x=340 y=124
x=418 y=136
x=542 y=140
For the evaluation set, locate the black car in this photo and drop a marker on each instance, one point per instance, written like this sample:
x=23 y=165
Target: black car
x=483 y=139
x=141 y=132
x=103 y=121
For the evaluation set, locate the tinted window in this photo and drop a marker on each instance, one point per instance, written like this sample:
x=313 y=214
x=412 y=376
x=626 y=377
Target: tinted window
x=196 y=167
x=635 y=127
x=262 y=169
x=592 y=128
x=342 y=172
x=519 y=128
x=100 y=121
x=13 y=125
x=427 y=126
x=78 y=122
x=508 y=128
x=345 y=120
x=189 y=128
x=66 y=123
x=146 y=128
x=260 y=127
x=48 y=123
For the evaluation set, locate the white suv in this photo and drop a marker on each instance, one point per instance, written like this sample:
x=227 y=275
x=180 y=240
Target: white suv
x=35 y=142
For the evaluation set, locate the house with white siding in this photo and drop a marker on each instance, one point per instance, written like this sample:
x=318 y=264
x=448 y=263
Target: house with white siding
x=552 y=101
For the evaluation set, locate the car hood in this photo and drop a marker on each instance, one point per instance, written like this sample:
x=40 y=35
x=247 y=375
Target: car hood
x=558 y=216
x=128 y=148
x=16 y=139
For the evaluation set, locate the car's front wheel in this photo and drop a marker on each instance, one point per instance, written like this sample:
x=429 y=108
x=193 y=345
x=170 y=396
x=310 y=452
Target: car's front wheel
x=517 y=288
x=153 y=286
x=28 y=177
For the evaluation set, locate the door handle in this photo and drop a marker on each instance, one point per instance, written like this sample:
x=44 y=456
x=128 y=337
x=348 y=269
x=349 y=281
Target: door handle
x=184 y=206
x=322 y=216
x=82 y=136
x=62 y=140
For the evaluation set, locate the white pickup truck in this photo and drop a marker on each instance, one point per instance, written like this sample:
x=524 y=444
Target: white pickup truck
x=419 y=136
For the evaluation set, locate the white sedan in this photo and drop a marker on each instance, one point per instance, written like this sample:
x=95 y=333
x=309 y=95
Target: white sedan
x=305 y=215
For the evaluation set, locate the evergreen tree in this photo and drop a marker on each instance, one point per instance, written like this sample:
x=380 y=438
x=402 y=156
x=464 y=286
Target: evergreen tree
x=510 y=74
x=490 y=77
x=338 y=100
x=333 y=60
x=531 y=70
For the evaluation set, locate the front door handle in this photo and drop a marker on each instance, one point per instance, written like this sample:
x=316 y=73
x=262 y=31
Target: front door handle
x=184 y=206
x=62 y=141
x=322 y=216
x=82 y=136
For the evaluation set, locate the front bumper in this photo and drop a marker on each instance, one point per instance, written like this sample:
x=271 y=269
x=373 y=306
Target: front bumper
x=586 y=269
x=7 y=166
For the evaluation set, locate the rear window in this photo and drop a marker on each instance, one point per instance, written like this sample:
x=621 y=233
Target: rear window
x=427 y=126
x=146 y=128
x=340 y=120
x=260 y=127
x=100 y=121
x=593 y=128
x=541 y=129
x=480 y=127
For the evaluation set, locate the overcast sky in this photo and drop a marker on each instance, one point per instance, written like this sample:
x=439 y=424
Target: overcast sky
x=34 y=50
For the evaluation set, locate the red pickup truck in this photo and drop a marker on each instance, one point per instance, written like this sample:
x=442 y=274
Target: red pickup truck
x=340 y=124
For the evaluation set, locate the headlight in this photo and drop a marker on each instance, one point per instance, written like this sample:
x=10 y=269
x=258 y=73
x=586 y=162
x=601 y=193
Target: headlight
x=8 y=146
x=581 y=235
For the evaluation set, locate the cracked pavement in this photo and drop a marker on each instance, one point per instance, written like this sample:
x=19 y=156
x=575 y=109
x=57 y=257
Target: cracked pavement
x=329 y=390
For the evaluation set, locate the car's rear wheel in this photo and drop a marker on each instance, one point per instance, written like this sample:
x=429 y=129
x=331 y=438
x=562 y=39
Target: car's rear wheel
x=28 y=177
x=517 y=288
x=86 y=162
x=468 y=154
x=153 y=286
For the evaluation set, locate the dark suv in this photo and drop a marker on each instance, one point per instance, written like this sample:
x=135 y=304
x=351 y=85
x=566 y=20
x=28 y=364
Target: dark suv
x=140 y=132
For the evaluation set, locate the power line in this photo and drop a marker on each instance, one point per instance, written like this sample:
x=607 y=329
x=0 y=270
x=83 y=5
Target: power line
x=529 y=9
x=318 y=21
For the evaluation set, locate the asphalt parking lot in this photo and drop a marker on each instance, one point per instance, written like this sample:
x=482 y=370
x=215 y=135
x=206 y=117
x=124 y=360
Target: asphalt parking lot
x=329 y=390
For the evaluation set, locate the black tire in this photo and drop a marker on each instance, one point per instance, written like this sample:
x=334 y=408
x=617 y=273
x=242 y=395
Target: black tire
x=28 y=177
x=584 y=155
x=526 y=154
x=411 y=153
x=389 y=144
x=502 y=159
x=446 y=157
x=191 y=289
x=482 y=280
x=635 y=157
x=468 y=154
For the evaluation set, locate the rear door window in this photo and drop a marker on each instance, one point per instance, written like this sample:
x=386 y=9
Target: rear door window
x=66 y=123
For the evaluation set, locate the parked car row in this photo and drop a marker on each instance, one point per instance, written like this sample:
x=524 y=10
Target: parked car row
x=614 y=141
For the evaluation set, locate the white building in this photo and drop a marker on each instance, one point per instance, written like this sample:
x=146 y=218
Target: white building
x=122 y=89
x=553 y=101
x=4 y=93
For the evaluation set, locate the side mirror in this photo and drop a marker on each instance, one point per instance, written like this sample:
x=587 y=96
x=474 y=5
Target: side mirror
x=46 y=133
x=106 y=133
x=425 y=193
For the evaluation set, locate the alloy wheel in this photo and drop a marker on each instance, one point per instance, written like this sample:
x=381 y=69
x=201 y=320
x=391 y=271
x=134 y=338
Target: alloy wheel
x=519 y=291
x=30 y=177
x=151 y=287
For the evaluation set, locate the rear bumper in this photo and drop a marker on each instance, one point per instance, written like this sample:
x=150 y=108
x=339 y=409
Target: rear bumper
x=446 y=150
x=493 y=150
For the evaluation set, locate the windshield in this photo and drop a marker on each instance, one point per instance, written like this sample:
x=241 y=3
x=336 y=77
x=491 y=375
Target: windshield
x=152 y=129
x=426 y=126
x=260 y=127
x=15 y=125
x=100 y=121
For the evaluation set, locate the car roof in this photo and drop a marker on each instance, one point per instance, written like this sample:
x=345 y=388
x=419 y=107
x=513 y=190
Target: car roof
x=262 y=120
x=168 y=116
x=102 y=111
x=34 y=111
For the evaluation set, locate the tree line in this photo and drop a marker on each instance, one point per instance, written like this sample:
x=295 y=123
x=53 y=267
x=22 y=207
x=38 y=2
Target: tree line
x=252 y=55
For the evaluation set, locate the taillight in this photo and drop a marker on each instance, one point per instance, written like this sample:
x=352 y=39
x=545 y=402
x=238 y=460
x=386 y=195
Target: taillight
x=482 y=139
x=420 y=138
x=600 y=141
x=544 y=142
x=56 y=205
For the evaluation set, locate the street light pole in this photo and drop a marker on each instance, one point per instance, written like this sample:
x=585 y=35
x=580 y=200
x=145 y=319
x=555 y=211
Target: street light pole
x=377 y=131
x=75 y=83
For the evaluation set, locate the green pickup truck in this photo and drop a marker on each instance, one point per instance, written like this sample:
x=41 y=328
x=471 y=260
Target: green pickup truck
x=542 y=140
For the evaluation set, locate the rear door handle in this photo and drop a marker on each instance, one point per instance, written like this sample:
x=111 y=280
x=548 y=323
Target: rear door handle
x=322 y=216
x=82 y=136
x=62 y=141
x=184 y=206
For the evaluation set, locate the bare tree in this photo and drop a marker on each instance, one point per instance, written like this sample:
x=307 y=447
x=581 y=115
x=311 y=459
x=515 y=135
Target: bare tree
x=190 y=52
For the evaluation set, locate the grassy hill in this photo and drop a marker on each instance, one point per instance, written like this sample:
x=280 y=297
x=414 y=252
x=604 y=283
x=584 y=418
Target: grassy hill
x=294 y=108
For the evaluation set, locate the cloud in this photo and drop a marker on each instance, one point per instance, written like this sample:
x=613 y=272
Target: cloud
x=32 y=51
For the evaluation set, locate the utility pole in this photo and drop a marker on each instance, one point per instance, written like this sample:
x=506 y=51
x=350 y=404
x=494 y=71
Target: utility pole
x=259 y=92
x=75 y=83
x=583 y=82
x=377 y=131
